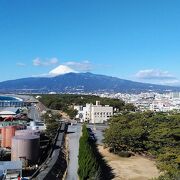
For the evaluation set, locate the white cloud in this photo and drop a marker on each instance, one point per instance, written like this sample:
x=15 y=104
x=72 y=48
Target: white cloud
x=154 y=74
x=171 y=82
x=20 y=64
x=83 y=66
x=157 y=76
x=53 y=60
x=61 y=69
x=38 y=62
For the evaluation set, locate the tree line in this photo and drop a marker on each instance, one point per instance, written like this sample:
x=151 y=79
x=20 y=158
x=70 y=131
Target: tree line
x=66 y=102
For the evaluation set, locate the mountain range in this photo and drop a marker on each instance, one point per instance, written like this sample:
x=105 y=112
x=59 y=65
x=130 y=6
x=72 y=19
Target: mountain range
x=80 y=82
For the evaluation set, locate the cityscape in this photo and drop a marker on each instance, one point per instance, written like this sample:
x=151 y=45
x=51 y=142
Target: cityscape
x=89 y=90
x=152 y=101
x=27 y=127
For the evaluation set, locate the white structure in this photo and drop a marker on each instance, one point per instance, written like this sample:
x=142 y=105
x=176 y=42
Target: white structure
x=94 y=113
x=174 y=95
x=9 y=111
x=10 y=169
x=36 y=125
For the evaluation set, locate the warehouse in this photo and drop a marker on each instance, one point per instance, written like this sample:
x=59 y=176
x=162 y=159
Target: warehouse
x=9 y=111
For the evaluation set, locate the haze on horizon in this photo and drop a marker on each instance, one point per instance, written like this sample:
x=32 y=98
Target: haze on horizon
x=131 y=39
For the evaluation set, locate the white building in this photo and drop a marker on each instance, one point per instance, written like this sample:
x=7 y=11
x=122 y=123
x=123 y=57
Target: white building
x=94 y=113
x=9 y=111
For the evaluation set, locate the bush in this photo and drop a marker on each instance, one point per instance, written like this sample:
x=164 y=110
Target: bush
x=124 y=154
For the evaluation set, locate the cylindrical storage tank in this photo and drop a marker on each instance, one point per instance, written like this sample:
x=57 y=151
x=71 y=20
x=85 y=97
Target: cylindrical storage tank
x=3 y=137
x=27 y=132
x=25 y=148
x=7 y=134
x=10 y=133
x=0 y=136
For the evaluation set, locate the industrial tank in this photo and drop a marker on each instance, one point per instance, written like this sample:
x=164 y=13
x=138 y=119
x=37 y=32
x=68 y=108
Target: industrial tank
x=7 y=134
x=27 y=132
x=25 y=148
x=3 y=137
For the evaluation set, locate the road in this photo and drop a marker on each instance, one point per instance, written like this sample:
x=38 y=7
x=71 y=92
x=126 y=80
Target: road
x=34 y=114
x=74 y=133
x=98 y=132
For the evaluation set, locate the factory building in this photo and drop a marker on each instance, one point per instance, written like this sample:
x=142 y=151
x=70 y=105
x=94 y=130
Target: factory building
x=25 y=148
x=13 y=123
x=36 y=125
x=15 y=102
x=9 y=111
x=94 y=113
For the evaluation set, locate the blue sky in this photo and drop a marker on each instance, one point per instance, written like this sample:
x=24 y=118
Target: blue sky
x=132 y=39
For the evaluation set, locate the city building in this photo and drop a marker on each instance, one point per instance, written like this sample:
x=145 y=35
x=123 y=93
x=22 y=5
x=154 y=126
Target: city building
x=94 y=113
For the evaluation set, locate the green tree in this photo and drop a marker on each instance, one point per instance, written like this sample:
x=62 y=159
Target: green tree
x=156 y=134
x=88 y=165
x=52 y=123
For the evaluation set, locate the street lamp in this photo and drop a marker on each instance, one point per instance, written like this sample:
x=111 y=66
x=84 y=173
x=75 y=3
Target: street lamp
x=94 y=125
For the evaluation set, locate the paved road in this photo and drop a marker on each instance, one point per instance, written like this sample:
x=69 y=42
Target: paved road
x=74 y=133
x=98 y=132
x=34 y=114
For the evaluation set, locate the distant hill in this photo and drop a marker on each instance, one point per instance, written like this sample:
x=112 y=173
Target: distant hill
x=80 y=82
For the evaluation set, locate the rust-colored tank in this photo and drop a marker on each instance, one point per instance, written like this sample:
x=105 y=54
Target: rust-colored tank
x=3 y=137
x=7 y=134
x=10 y=133
x=25 y=148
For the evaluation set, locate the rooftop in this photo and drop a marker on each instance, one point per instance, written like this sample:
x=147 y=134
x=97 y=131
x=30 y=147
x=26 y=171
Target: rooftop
x=10 y=165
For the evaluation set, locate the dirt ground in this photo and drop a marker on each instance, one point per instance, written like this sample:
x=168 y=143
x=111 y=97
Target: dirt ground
x=133 y=168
